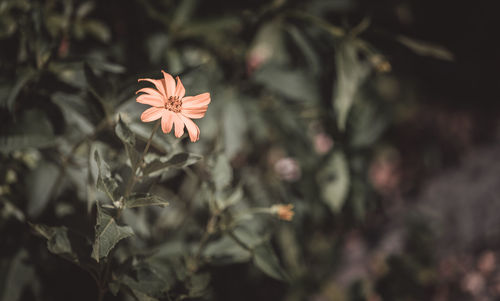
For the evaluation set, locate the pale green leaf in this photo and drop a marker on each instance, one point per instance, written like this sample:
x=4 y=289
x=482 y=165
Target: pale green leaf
x=351 y=74
x=334 y=181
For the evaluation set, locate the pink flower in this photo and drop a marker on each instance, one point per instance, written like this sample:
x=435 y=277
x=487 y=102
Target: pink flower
x=169 y=103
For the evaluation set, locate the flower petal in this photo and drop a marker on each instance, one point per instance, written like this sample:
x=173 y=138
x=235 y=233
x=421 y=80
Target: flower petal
x=152 y=114
x=152 y=100
x=194 y=113
x=180 y=91
x=193 y=129
x=169 y=84
x=158 y=84
x=179 y=125
x=150 y=91
x=167 y=121
x=196 y=101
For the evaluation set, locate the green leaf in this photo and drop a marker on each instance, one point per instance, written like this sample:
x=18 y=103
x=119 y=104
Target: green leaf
x=425 y=48
x=351 y=73
x=198 y=285
x=22 y=80
x=141 y=200
x=267 y=261
x=58 y=241
x=179 y=160
x=124 y=132
x=95 y=84
x=294 y=84
x=105 y=182
x=128 y=138
x=107 y=234
x=334 y=181
x=222 y=173
x=226 y=251
x=41 y=182
x=16 y=275
x=11 y=143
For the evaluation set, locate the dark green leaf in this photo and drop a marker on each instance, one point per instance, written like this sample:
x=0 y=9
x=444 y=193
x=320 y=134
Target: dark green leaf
x=141 y=200
x=267 y=261
x=58 y=241
x=128 y=138
x=107 y=234
x=41 y=182
x=104 y=180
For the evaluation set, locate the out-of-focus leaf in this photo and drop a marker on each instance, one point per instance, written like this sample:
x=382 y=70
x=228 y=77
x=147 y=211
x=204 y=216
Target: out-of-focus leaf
x=222 y=173
x=267 y=261
x=95 y=84
x=233 y=198
x=226 y=251
x=105 y=181
x=235 y=127
x=425 y=48
x=334 y=180
x=22 y=80
x=179 y=160
x=368 y=123
x=150 y=281
x=11 y=143
x=128 y=138
x=141 y=200
x=295 y=84
x=97 y=29
x=198 y=285
x=107 y=234
x=305 y=47
x=41 y=182
x=16 y=276
x=74 y=110
x=351 y=73
x=268 y=46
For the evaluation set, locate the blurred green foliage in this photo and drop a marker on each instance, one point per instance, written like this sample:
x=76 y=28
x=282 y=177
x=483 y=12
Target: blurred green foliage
x=301 y=96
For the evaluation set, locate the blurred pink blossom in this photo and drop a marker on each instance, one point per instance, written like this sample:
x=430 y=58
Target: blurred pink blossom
x=288 y=169
x=322 y=143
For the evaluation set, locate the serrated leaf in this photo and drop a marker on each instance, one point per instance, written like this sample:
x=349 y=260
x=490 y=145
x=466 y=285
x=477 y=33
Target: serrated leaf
x=334 y=181
x=105 y=182
x=141 y=200
x=128 y=138
x=179 y=160
x=107 y=234
x=267 y=261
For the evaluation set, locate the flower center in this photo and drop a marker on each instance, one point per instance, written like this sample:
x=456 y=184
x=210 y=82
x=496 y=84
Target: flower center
x=173 y=104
